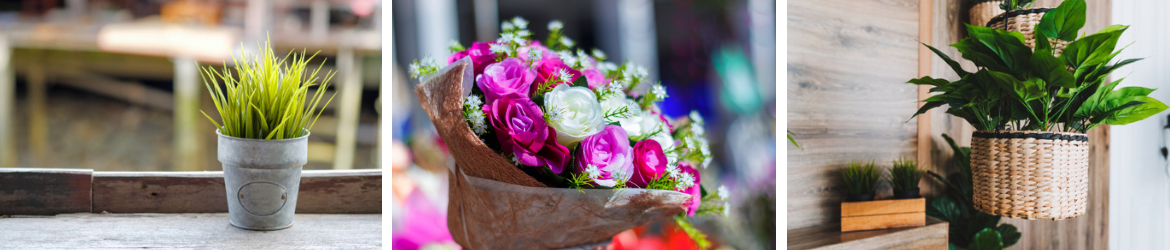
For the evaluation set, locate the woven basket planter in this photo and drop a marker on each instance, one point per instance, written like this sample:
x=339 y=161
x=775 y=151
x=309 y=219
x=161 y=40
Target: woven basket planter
x=1024 y=21
x=1030 y=174
x=984 y=11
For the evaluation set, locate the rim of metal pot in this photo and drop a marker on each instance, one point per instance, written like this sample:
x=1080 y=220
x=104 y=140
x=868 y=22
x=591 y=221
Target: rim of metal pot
x=1043 y=135
x=1015 y=13
x=261 y=140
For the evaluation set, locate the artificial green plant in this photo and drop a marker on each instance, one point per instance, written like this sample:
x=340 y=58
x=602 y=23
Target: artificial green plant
x=861 y=177
x=267 y=98
x=1016 y=88
x=905 y=175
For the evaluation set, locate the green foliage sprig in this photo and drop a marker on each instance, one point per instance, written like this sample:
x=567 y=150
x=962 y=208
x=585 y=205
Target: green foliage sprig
x=1017 y=88
x=1010 y=5
x=266 y=98
x=905 y=175
x=861 y=178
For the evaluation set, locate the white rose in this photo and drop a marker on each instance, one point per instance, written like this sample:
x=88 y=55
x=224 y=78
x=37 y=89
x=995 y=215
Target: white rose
x=574 y=113
x=645 y=123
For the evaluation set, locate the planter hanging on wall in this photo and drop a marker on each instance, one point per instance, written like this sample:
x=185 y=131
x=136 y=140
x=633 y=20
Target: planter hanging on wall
x=1024 y=21
x=1030 y=174
x=982 y=12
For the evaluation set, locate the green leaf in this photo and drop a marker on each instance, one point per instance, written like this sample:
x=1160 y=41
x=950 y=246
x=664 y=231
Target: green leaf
x=1051 y=69
x=1093 y=49
x=1026 y=90
x=927 y=80
x=1009 y=233
x=1129 y=115
x=988 y=239
x=945 y=209
x=1064 y=21
x=954 y=64
x=1008 y=46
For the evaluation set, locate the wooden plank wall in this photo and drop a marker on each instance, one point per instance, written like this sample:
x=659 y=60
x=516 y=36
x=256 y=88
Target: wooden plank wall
x=847 y=64
x=1086 y=232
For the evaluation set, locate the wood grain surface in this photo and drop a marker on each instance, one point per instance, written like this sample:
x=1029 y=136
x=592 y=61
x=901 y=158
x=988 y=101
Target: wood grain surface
x=847 y=64
x=187 y=231
x=44 y=191
x=883 y=207
x=931 y=236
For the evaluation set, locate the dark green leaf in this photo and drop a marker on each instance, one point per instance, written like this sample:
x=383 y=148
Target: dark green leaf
x=1051 y=69
x=954 y=64
x=927 y=80
x=945 y=209
x=1009 y=233
x=1026 y=90
x=988 y=239
x=1007 y=45
x=1064 y=21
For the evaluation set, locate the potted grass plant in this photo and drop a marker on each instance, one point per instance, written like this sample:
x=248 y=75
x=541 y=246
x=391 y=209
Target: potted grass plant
x=1032 y=109
x=266 y=110
x=861 y=180
x=904 y=176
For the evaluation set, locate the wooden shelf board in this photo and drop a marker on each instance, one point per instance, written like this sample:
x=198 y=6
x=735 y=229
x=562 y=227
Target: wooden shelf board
x=931 y=236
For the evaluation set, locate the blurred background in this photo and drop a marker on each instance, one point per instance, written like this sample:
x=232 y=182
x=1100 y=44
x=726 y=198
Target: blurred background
x=113 y=84
x=714 y=56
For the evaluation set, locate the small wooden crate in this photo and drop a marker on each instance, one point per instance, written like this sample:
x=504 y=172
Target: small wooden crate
x=882 y=214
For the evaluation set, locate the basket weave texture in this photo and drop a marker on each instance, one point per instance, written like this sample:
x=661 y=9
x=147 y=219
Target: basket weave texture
x=984 y=11
x=1024 y=21
x=495 y=205
x=1030 y=174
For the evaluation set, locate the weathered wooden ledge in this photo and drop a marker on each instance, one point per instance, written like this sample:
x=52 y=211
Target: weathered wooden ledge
x=186 y=231
x=931 y=236
x=36 y=191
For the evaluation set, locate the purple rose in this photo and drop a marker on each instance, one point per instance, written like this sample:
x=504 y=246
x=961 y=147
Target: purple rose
x=607 y=154
x=521 y=130
x=506 y=78
x=480 y=54
x=693 y=190
x=595 y=78
x=649 y=162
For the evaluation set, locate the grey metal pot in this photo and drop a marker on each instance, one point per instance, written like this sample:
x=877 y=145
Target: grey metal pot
x=262 y=178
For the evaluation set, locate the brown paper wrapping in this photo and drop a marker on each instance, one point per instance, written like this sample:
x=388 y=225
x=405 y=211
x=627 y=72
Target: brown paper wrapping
x=495 y=205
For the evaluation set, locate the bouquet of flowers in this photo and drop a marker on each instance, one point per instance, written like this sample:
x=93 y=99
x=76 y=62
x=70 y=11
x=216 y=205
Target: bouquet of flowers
x=520 y=116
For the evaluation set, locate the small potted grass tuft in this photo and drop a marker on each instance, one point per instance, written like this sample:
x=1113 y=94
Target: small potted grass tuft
x=861 y=180
x=861 y=212
x=904 y=176
x=266 y=110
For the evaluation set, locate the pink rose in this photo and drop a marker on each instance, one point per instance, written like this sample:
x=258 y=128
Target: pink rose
x=480 y=54
x=649 y=162
x=506 y=78
x=521 y=130
x=549 y=67
x=693 y=190
x=610 y=152
x=595 y=78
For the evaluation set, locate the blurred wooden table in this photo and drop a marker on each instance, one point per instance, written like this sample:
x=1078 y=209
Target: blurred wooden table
x=173 y=42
